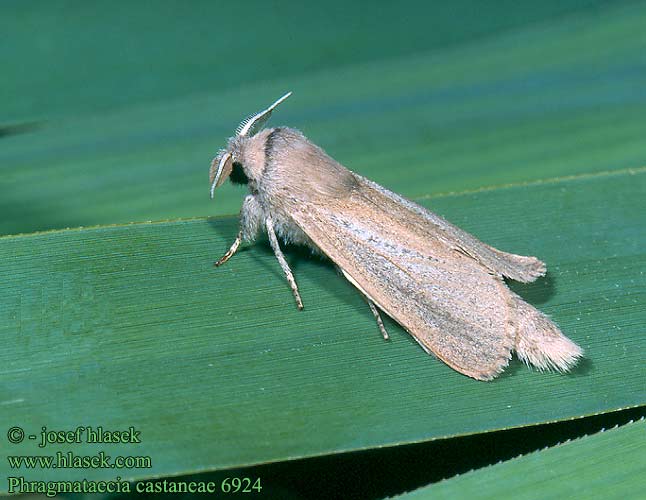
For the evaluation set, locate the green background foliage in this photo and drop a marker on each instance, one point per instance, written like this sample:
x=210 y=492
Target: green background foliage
x=522 y=123
x=606 y=465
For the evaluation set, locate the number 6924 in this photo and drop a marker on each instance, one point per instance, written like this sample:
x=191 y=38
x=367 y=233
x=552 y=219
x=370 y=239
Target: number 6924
x=240 y=485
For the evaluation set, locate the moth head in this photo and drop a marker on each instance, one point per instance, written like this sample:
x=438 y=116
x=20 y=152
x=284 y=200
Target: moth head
x=223 y=163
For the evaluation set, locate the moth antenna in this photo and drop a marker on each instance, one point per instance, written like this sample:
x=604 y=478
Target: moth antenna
x=254 y=123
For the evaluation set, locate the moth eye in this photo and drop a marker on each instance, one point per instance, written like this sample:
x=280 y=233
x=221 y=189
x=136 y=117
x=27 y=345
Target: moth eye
x=237 y=174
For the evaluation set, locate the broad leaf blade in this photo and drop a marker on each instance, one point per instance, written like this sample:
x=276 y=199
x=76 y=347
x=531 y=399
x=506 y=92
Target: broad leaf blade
x=607 y=465
x=66 y=60
x=547 y=101
x=131 y=326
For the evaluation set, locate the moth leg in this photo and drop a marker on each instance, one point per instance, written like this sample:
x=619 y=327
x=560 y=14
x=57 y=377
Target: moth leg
x=250 y=217
x=377 y=316
x=230 y=251
x=373 y=307
x=273 y=241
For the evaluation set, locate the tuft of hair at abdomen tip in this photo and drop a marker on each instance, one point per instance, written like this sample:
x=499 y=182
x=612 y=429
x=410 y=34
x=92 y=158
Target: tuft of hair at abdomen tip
x=539 y=342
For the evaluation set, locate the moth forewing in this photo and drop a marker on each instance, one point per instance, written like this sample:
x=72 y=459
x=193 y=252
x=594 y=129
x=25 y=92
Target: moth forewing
x=440 y=283
x=449 y=302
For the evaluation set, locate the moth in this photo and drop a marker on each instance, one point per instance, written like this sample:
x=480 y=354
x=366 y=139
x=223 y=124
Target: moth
x=441 y=284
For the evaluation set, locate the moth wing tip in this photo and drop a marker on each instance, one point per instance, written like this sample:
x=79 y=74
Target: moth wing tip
x=537 y=269
x=486 y=373
x=529 y=269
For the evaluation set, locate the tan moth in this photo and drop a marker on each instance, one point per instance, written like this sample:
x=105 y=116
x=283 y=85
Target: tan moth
x=441 y=284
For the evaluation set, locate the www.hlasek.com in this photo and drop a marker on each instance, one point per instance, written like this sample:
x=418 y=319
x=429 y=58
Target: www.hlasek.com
x=69 y=460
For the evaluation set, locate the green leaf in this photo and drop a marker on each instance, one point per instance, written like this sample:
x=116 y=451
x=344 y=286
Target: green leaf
x=608 y=465
x=548 y=101
x=131 y=326
x=83 y=57
x=112 y=115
